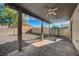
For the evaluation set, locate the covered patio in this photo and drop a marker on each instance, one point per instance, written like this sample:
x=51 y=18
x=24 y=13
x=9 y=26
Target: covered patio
x=43 y=45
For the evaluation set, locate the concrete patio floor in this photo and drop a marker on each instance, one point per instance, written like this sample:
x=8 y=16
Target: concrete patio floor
x=8 y=46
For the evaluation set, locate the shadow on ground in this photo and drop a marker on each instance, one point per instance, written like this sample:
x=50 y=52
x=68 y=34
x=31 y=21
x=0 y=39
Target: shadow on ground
x=9 y=47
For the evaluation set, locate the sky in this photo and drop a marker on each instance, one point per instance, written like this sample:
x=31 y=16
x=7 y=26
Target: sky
x=60 y=24
x=37 y=23
x=1 y=5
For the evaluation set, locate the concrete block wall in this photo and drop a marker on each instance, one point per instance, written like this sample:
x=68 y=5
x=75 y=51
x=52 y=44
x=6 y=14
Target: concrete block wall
x=38 y=30
x=62 y=32
x=65 y=32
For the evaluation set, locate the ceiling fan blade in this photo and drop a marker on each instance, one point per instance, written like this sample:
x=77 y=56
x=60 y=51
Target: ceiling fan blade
x=48 y=14
x=53 y=13
x=54 y=9
x=50 y=10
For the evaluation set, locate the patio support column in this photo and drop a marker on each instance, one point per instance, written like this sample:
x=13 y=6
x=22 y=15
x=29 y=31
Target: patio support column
x=71 y=30
x=19 y=30
x=49 y=30
x=54 y=31
x=58 y=31
x=41 y=30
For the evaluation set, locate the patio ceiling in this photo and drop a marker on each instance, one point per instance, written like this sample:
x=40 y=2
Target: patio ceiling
x=64 y=12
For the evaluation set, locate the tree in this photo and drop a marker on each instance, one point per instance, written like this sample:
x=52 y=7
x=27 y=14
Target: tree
x=55 y=28
x=10 y=16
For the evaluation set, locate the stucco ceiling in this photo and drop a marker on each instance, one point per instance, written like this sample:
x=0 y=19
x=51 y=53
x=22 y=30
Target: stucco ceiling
x=64 y=12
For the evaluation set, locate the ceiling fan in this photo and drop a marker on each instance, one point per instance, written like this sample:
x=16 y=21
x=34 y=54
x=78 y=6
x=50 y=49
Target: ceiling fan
x=51 y=11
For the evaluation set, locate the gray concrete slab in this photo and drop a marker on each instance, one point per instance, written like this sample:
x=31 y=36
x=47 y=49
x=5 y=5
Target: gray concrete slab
x=62 y=48
x=8 y=46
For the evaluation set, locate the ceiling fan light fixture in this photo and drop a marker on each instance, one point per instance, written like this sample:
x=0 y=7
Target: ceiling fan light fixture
x=51 y=11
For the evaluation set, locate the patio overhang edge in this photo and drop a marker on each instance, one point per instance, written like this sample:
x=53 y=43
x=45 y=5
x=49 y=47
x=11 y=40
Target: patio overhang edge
x=16 y=7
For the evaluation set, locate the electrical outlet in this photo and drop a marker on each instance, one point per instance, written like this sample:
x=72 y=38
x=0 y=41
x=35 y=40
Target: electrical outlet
x=77 y=41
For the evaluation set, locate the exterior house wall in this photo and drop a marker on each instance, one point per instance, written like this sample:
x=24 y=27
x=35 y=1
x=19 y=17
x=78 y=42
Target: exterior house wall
x=75 y=27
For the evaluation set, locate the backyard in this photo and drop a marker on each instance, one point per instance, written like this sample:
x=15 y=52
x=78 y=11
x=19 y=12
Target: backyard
x=8 y=45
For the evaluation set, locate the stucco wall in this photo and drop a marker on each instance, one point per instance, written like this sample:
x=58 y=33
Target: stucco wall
x=75 y=27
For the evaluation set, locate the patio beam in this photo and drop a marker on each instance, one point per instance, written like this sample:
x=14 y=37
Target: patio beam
x=19 y=30
x=26 y=11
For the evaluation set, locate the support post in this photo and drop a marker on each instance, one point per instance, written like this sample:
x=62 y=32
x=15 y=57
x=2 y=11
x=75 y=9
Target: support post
x=41 y=30
x=19 y=30
x=58 y=31
x=49 y=30
x=71 y=29
x=54 y=31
